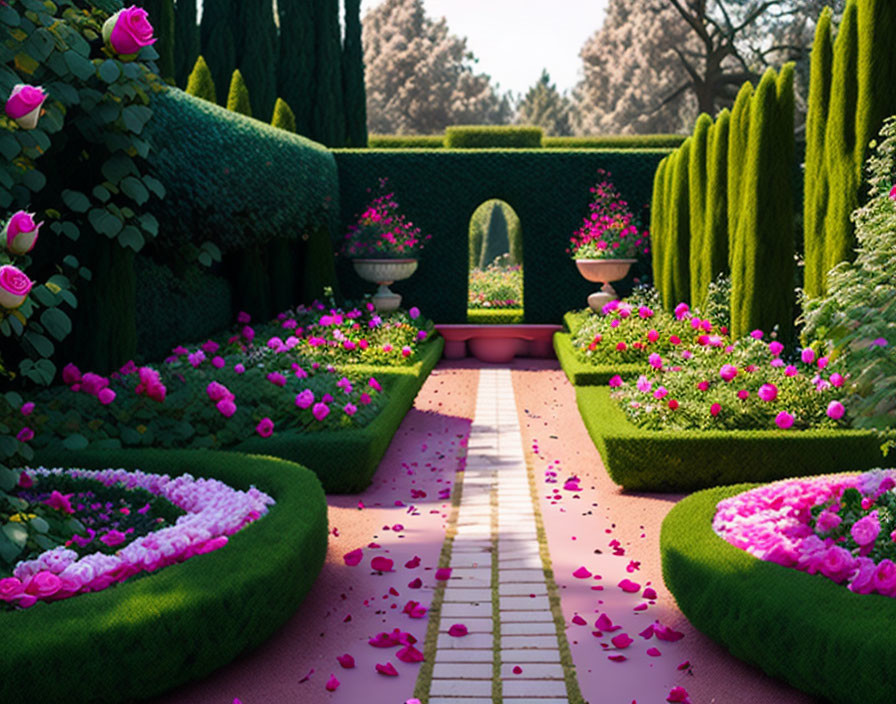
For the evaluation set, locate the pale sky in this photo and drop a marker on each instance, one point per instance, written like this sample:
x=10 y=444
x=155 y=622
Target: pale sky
x=515 y=39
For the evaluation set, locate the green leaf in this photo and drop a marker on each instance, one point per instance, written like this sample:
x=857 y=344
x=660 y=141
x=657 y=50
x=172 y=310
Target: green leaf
x=13 y=399
x=75 y=441
x=41 y=344
x=39 y=524
x=34 y=180
x=70 y=260
x=205 y=259
x=149 y=224
x=109 y=71
x=45 y=542
x=8 y=478
x=64 y=92
x=135 y=117
x=9 y=551
x=56 y=322
x=104 y=222
x=8 y=16
x=118 y=166
x=16 y=325
x=212 y=249
x=45 y=296
x=78 y=65
x=134 y=189
x=154 y=185
x=101 y=193
x=131 y=237
x=76 y=200
x=40 y=44
x=129 y=436
x=85 y=273
x=9 y=146
x=16 y=533
x=8 y=445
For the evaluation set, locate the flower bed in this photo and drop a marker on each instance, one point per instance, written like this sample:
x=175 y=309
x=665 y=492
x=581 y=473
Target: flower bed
x=188 y=619
x=805 y=629
x=496 y=288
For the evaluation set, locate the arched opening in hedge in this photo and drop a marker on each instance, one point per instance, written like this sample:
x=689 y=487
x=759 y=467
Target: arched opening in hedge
x=495 y=284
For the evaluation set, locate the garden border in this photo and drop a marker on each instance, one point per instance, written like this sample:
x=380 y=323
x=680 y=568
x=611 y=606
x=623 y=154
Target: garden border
x=674 y=461
x=345 y=460
x=804 y=629
x=580 y=373
x=152 y=634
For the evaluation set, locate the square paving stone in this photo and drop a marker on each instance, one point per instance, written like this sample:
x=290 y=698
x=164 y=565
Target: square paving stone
x=533 y=688
x=531 y=671
x=466 y=688
x=544 y=616
x=513 y=656
x=519 y=561
x=525 y=642
x=466 y=655
x=467 y=594
x=464 y=671
x=533 y=628
x=524 y=603
x=471 y=640
x=454 y=610
x=507 y=575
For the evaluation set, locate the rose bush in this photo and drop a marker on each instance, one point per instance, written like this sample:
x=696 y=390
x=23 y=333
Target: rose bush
x=24 y=104
x=496 y=287
x=127 y=32
x=21 y=232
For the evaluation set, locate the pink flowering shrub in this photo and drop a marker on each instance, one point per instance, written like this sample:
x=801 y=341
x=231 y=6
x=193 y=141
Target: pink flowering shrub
x=610 y=230
x=382 y=231
x=843 y=527
x=496 y=287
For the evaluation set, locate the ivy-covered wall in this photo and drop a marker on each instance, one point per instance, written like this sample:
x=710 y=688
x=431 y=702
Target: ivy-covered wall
x=440 y=189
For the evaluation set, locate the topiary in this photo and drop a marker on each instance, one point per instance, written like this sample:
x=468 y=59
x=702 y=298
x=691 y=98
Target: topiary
x=238 y=95
x=496 y=241
x=200 y=83
x=284 y=118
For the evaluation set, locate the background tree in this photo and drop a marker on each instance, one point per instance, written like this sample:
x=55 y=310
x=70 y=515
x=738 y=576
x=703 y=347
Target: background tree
x=295 y=66
x=543 y=106
x=186 y=40
x=328 y=113
x=353 y=88
x=419 y=77
x=161 y=16
x=256 y=53
x=217 y=39
x=200 y=82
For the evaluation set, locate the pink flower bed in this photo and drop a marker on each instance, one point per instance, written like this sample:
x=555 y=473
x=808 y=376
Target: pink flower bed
x=842 y=526
x=213 y=512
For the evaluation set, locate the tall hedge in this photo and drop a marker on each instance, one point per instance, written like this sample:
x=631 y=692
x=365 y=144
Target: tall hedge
x=738 y=139
x=677 y=256
x=328 y=113
x=353 y=89
x=238 y=95
x=218 y=43
x=296 y=59
x=186 y=40
x=200 y=83
x=658 y=223
x=257 y=55
x=715 y=222
x=697 y=167
x=816 y=184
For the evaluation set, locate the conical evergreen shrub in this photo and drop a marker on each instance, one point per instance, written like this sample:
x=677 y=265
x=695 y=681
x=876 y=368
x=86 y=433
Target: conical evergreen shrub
x=238 y=95
x=328 y=116
x=670 y=223
x=657 y=223
x=715 y=221
x=699 y=281
x=257 y=54
x=218 y=44
x=283 y=116
x=496 y=240
x=354 y=92
x=677 y=256
x=738 y=138
x=200 y=82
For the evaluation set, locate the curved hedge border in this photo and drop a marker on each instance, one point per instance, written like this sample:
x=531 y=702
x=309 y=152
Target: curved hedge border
x=581 y=373
x=146 y=636
x=649 y=460
x=805 y=629
x=346 y=460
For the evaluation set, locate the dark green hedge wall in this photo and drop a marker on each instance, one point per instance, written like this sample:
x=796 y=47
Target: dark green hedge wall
x=439 y=190
x=616 y=141
x=406 y=141
x=492 y=137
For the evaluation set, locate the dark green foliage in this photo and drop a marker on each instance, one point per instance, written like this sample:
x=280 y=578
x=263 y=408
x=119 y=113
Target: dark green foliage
x=496 y=241
x=328 y=111
x=441 y=188
x=406 y=141
x=664 y=283
x=582 y=373
x=186 y=40
x=646 y=460
x=161 y=16
x=479 y=224
x=616 y=141
x=697 y=169
x=189 y=619
x=492 y=136
x=284 y=118
x=715 y=222
x=238 y=95
x=801 y=628
x=200 y=83
x=502 y=316
x=816 y=184
x=295 y=66
x=172 y=308
x=256 y=54
x=738 y=138
x=658 y=230
x=248 y=269
x=353 y=90
x=218 y=40
x=677 y=253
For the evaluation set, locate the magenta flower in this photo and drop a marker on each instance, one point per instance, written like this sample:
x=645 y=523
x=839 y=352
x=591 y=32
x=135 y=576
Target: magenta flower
x=775 y=347
x=661 y=392
x=25 y=434
x=128 y=31
x=703 y=385
x=784 y=420
x=305 y=398
x=807 y=355
x=350 y=409
x=865 y=530
x=374 y=384
x=405 y=351
x=681 y=311
x=414 y=312
x=655 y=361
x=239 y=368
x=835 y=410
x=879 y=342
x=827 y=521
x=756 y=334
x=61 y=502
x=113 y=538
x=216 y=392
x=27 y=408
x=728 y=372
x=243 y=317
x=715 y=409
x=615 y=381
x=321 y=410
x=644 y=384
x=226 y=407
x=106 y=396
x=791 y=370
x=653 y=336
x=743 y=394
x=248 y=333
x=70 y=374
x=893 y=193
x=836 y=380
x=265 y=427
x=768 y=392
x=277 y=379
x=218 y=362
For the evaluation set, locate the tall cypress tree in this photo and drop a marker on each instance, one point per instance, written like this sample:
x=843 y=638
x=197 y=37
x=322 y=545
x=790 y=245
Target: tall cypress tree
x=353 y=78
x=161 y=17
x=295 y=65
x=238 y=95
x=217 y=39
x=877 y=72
x=678 y=253
x=697 y=207
x=496 y=240
x=657 y=226
x=670 y=222
x=715 y=222
x=283 y=116
x=256 y=54
x=186 y=40
x=816 y=184
x=200 y=82
x=738 y=137
x=327 y=118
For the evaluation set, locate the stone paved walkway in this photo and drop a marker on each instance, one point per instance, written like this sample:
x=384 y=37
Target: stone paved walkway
x=497 y=535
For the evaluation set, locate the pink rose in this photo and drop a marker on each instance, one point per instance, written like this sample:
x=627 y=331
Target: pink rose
x=827 y=520
x=128 y=31
x=43 y=584
x=71 y=374
x=865 y=530
x=837 y=563
x=775 y=348
x=24 y=104
x=784 y=420
x=862 y=580
x=26 y=434
x=14 y=287
x=265 y=427
x=320 y=411
x=11 y=588
x=768 y=392
x=807 y=355
x=835 y=410
x=113 y=538
x=226 y=407
x=217 y=392
x=728 y=372
x=21 y=232
x=885 y=577
x=305 y=398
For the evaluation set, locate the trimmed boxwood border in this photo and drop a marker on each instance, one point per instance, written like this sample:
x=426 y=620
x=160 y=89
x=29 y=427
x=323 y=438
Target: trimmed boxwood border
x=495 y=316
x=581 y=373
x=146 y=636
x=816 y=635
x=648 y=460
x=346 y=460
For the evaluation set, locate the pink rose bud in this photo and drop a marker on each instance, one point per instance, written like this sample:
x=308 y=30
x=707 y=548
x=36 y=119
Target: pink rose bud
x=24 y=105
x=768 y=392
x=21 y=232
x=807 y=355
x=893 y=193
x=836 y=380
x=128 y=31
x=835 y=410
x=27 y=408
x=14 y=287
x=784 y=420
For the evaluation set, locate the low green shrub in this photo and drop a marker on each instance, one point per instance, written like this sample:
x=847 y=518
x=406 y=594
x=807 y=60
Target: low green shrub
x=492 y=137
x=581 y=373
x=141 y=638
x=486 y=316
x=496 y=287
x=804 y=629
x=406 y=141
x=616 y=141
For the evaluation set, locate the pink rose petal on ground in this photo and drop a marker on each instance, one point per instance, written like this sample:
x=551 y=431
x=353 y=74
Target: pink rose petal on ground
x=604 y=623
x=415 y=583
x=354 y=557
x=517 y=670
x=457 y=630
x=629 y=586
x=412 y=563
x=617 y=658
x=381 y=564
x=443 y=573
x=388 y=669
x=622 y=641
x=346 y=660
x=666 y=633
x=332 y=683
x=383 y=640
x=653 y=652
x=685 y=665
x=647 y=632
x=409 y=654
x=581 y=573
x=678 y=694
x=649 y=593
x=579 y=621
x=641 y=607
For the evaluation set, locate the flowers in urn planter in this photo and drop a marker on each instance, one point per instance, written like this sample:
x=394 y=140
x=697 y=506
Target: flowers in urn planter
x=382 y=232
x=14 y=287
x=609 y=231
x=24 y=104
x=128 y=31
x=20 y=233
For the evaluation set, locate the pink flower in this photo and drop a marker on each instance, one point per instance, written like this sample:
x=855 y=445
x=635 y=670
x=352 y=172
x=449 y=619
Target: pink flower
x=414 y=312
x=277 y=379
x=728 y=372
x=678 y=695
x=655 y=361
x=25 y=481
x=61 y=502
x=405 y=351
x=835 y=410
x=150 y=384
x=681 y=311
x=332 y=683
x=715 y=409
x=661 y=392
x=615 y=381
x=218 y=362
x=43 y=584
x=775 y=347
x=382 y=564
x=226 y=407
x=320 y=410
x=25 y=434
x=14 y=287
x=106 y=396
x=865 y=530
x=653 y=336
x=23 y=100
x=827 y=521
x=265 y=427
x=807 y=355
x=791 y=370
x=784 y=420
x=21 y=233
x=836 y=379
x=458 y=630
x=703 y=385
x=248 y=333
x=885 y=577
x=837 y=563
x=217 y=392
x=374 y=384
x=128 y=31
x=350 y=409
x=10 y=589
x=113 y=538
x=305 y=398
x=644 y=384
x=768 y=392
x=756 y=334
x=443 y=573
x=243 y=317
x=743 y=394
x=346 y=660
x=27 y=408
x=822 y=362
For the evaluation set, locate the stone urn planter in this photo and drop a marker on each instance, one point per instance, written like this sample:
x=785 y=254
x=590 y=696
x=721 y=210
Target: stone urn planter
x=385 y=272
x=603 y=271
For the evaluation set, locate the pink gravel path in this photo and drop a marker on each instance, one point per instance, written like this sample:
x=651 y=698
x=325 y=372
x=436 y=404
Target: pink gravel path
x=580 y=526
x=294 y=666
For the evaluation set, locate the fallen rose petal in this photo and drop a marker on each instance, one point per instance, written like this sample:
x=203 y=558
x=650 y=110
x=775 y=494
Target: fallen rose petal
x=354 y=557
x=443 y=573
x=412 y=563
x=617 y=658
x=332 y=683
x=409 y=654
x=307 y=677
x=457 y=630
x=597 y=634
x=685 y=665
x=346 y=660
x=653 y=652
x=579 y=621
x=381 y=564
x=641 y=607
x=419 y=612
x=581 y=573
x=415 y=583
x=666 y=633
x=388 y=669
x=393 y=591
x=649 y=593
x=629 y=586
x=678 y=694
x=647 y=632
x=604 y=623
x=382 y=640
x=621 y=641
x=517 y=670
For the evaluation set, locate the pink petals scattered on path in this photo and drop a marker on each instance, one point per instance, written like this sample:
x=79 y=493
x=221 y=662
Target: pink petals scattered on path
x=354 y=557
x=443 y=573
x=457 y=630
x=582 y=573
x=629 y=586
x=332 y=683
x=679 y=695
x=346 y=660
x=381 y=564
x=388 y=669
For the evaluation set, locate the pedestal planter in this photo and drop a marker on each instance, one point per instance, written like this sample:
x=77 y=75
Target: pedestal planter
x=498 y=344
x=385 y=272
x=603 y=271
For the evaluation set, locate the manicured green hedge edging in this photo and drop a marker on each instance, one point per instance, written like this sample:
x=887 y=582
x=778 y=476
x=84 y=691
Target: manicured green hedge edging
x=575 y=319
x=346 y=460
x=406 y=141
x=495 y=316
x=646 y=460
x=148 y=635
x=805 y=629
x=493 y=137
x=581 y=373
x=616 y=141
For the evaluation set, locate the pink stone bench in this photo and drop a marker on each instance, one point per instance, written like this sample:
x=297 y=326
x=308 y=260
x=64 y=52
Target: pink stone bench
x=498 y=344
